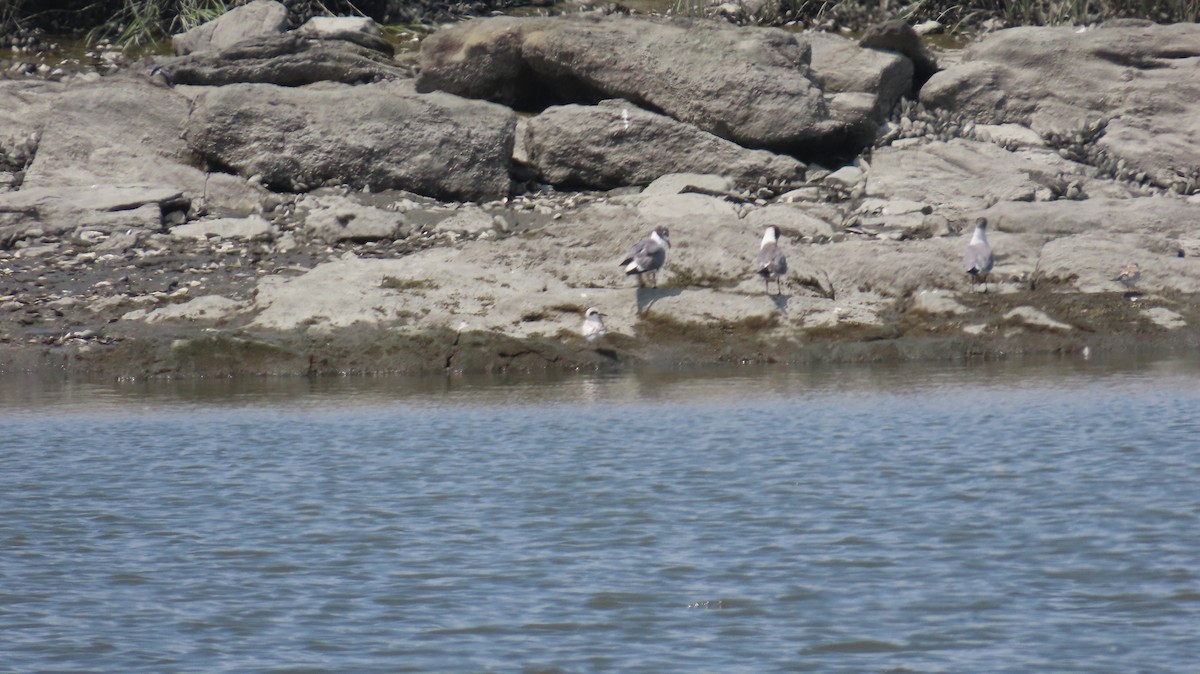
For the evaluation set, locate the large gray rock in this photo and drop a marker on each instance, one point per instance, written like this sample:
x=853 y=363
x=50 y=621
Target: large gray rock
x=897 y=36
x=292 y=60
x=116 y=131
x=379 y=136
x=749 y=85
x=1059 y=81
x=253 y=19
x=125 y=131
x=862 y=84
x=617 y=143
x=24 y=108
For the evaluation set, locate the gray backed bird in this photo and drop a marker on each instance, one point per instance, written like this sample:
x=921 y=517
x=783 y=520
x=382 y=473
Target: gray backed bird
x=770 y=261
x=648 y=255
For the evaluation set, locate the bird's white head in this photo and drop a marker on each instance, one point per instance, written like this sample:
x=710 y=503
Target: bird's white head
x=771 y=235
x=980 y=235
x=592 y=311
x=662 y=235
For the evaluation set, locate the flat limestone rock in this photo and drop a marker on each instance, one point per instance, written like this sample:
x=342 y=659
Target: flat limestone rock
x=964 y=176
x=1036 y=318
x=937 y=302
x=117 y=131
x=1139 y=82
x=253 y=227
x=206 y=308
x=1165 y=318
x=58 y=210
x=334 y=219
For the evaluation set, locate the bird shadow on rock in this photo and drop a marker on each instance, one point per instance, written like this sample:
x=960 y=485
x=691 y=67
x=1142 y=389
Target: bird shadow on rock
x=646 y=297
x=781 y=302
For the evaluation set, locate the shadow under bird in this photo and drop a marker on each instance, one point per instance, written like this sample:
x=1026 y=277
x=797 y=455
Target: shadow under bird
x=978 y=258
x=770 y=261
x=593 y=329
x=648 y=255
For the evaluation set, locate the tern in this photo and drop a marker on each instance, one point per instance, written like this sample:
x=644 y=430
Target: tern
x=593 y=329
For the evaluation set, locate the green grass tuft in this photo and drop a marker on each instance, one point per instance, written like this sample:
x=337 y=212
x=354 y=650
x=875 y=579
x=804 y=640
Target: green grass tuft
x=141 y=23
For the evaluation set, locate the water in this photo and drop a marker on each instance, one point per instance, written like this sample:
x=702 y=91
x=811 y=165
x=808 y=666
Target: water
x=911 y=519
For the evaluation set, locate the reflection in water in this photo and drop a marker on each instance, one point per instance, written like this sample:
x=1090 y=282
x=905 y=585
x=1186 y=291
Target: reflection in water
x=32 y=393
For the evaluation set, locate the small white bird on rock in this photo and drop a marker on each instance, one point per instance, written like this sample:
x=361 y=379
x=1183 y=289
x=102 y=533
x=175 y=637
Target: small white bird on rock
x=593 y=329
x=770 y=261
x=978 y=258
x=648 y=255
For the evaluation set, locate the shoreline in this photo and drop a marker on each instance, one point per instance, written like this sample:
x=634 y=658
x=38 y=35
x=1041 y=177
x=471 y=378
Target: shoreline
x=369 y=351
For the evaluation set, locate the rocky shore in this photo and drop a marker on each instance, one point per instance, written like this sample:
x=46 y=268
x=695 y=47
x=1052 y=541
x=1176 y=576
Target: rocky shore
x=302 y=201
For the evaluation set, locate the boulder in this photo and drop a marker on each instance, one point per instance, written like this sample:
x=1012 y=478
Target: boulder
x=124 y=131
x=899 y=37
x=379 y=136
x=1130 y=90
x=748 y=85
x=24 y=108
x=863 y=84
x=617 y=143
x=292 y=59
x=253 y=19
x=116 y=131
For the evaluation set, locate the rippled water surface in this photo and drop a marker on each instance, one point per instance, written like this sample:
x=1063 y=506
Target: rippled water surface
x=1003 y=518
